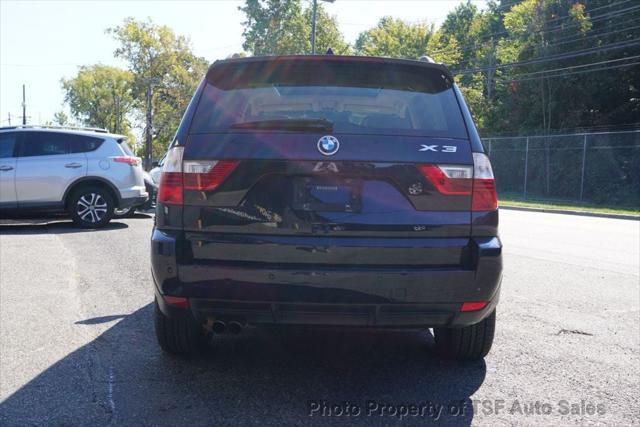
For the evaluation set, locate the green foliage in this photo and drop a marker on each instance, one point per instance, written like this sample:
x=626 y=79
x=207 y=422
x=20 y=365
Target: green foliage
x=501 y=57
x=395 y=38
x=444 y=48
x=159 y=59
x=99 y=96
x=60 y=118
x=282 y=27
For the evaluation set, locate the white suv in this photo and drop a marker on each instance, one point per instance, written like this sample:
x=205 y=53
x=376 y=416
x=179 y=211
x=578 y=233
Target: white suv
x=87 y=173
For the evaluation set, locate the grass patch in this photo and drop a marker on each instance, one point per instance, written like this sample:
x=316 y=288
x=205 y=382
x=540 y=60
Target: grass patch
x=509 y=200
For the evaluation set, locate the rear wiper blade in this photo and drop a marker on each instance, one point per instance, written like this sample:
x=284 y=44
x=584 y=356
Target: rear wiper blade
x=287 y=124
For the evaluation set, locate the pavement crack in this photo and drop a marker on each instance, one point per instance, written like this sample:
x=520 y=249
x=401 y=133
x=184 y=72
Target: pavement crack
x=573 y=331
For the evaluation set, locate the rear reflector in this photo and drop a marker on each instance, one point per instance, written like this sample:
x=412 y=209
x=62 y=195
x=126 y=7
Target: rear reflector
x=460 y=180
x=130 y=160
x=190 y=175
x=180 y=302
x=473 y=306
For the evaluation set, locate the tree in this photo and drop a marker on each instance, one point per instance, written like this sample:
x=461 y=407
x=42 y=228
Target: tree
x=60 y=118
x=395 y=38
x=443 y=49
x=99 y=96
x=282 y=27
x=165 y=74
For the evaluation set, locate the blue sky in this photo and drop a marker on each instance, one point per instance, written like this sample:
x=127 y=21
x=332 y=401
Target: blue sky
x=43 y=41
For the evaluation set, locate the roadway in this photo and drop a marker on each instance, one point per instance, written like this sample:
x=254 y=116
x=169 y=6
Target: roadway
x=77 y=345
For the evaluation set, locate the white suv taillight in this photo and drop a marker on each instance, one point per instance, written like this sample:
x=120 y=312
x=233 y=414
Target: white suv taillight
x=190 y=175
x=130 y=160
x=459 y=180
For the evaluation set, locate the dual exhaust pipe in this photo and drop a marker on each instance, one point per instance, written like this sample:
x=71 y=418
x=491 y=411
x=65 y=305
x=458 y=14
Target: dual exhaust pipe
x=234 y=327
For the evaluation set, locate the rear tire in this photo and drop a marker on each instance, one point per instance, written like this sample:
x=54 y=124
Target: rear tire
x=124 y=213
x=467 y=343
x=91 y=207
x=178 y=336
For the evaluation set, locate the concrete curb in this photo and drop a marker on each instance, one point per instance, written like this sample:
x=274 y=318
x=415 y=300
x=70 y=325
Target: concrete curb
x=570 y=212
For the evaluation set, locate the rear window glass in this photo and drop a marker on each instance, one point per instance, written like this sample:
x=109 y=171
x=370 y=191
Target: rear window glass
x=125 y=147
x=52 y=143
x=44 y=144
x=353 y=97
x=83 y=144
x=7 y=144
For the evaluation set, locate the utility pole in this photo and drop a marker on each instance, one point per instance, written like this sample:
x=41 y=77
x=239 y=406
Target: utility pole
x=24 y=106
x=313 y=27
x=313 y=24
x=491 y=70
x=148 y=130
x=9 y=117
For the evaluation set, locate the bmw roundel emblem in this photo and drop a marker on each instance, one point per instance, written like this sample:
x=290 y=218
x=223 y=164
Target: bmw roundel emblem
x=328 y=145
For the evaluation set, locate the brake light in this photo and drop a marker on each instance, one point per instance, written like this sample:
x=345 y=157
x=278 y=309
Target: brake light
x=130 y=160
x=449 y=180
x=484 y=196
x=207 y=175
x=459 y=180
x=170 y=188
x=190 y=175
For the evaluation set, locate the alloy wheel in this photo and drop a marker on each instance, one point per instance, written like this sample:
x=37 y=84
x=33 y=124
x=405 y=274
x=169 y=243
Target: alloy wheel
x=91 y=207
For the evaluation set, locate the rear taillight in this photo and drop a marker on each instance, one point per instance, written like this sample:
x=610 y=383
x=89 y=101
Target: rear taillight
x=206 y=175
x=190 y=175
x=459 y=180
x=449 y=180
x=130 y=160
x=170 y=187
x=484 y=197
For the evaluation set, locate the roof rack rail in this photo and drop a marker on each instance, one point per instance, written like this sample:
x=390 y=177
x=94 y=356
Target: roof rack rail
x=98 y=130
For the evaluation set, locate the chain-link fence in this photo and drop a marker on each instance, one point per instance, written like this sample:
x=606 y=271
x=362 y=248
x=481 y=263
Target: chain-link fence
x=598 y=168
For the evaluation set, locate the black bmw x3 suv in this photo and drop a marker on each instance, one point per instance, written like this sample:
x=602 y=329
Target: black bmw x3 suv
x=327 y=191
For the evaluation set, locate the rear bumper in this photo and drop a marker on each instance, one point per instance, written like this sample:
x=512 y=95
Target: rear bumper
x=316 y=295
x=367 y=315
x=133 y=201
x=133 y=196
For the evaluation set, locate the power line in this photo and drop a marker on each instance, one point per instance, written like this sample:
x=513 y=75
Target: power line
x=581 y=39
x=571 y=73
x=545 y=31
x=557 y=57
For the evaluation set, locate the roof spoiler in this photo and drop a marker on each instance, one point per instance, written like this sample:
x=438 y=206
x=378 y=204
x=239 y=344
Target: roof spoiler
x=91 y=129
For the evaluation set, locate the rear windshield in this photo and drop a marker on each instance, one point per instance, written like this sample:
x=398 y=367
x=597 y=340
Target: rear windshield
x=125 y=147
x=339 y=96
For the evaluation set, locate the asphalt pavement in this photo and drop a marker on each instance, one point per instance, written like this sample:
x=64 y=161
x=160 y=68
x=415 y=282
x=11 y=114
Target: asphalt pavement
x=77 y=345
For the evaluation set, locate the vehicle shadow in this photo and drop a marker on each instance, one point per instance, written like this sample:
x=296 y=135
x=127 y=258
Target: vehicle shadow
x=262 y=376
x=52 y=225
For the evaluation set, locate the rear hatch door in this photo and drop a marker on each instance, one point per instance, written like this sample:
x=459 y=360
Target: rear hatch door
x=336 y=163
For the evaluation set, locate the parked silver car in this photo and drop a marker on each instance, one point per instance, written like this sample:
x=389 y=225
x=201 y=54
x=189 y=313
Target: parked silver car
x=87 y=173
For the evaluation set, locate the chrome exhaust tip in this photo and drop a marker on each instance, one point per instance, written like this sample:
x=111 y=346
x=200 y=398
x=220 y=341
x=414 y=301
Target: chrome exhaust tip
x=235 y=327
x=219 y=327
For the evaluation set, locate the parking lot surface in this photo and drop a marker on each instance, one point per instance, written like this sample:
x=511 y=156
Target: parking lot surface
x=77 y=345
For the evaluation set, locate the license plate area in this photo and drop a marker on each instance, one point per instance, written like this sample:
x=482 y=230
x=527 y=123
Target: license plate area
x=321 y=195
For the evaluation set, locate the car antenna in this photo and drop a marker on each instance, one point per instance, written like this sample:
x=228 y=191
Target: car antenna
x=329 y=52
